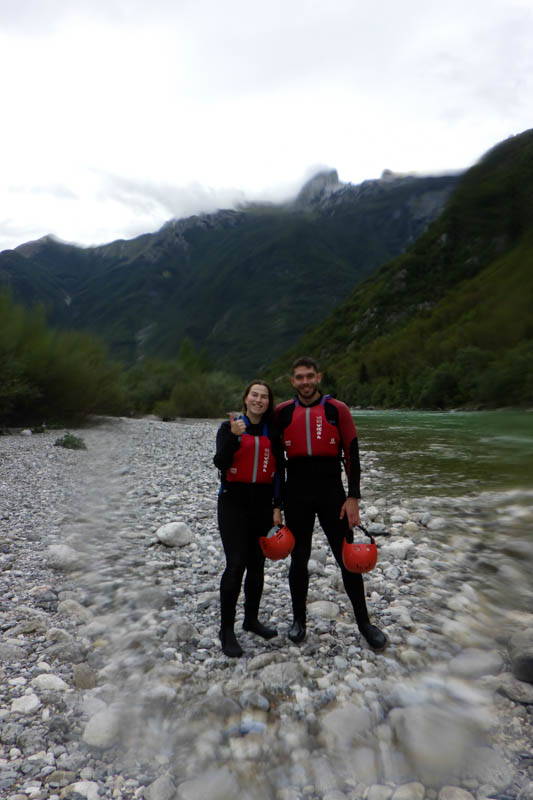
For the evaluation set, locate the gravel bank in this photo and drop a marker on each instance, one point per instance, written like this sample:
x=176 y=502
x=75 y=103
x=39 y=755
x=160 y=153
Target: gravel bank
x=113 y=684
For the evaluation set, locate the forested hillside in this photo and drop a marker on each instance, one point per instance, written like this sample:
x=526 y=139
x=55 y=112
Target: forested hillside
x=243 y=284
x=449 y=322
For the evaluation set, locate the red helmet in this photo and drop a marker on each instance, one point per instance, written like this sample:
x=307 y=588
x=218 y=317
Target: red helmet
x=277 y=544
x=360 y=556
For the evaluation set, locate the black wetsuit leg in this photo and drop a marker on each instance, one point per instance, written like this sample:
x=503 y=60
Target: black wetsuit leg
x=242 y=519
x=302 y=503
x=300 y=519
x=336 y=529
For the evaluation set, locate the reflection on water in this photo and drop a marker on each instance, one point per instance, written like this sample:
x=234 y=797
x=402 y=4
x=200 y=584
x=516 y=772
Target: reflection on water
x=450 y=453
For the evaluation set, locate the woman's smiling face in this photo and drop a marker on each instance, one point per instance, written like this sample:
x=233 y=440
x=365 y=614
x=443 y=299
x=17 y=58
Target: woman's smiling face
x=256 y=401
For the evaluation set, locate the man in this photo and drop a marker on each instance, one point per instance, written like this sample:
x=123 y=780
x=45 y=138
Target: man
x=317 y=430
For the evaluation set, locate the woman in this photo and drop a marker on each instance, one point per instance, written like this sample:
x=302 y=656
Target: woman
x=250 y=458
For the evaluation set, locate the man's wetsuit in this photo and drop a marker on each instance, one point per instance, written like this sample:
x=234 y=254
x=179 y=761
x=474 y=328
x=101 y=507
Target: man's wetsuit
x=244 y=514
x=315 y=438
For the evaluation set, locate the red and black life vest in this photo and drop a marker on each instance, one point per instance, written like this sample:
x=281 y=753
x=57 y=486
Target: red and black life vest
x=254 y=461
x=309 y=433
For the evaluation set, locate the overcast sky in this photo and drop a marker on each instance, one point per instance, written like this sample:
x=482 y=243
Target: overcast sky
x=118 y=115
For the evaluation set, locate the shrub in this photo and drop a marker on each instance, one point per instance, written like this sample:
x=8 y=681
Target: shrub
x=47 y=375
x=70 y=442
x=205 y=395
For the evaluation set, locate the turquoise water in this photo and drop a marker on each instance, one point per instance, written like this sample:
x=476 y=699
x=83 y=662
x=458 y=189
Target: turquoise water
x=451 y=453
x=475 y=471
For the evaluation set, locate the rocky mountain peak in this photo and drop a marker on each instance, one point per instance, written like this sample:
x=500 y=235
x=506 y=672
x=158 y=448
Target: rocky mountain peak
x=30 y=249
x=318 y=188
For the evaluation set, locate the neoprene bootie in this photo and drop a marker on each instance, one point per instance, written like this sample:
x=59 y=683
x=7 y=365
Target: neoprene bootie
x=297 y=631
x=375 y=638
x=254 y=626
x=230 y=645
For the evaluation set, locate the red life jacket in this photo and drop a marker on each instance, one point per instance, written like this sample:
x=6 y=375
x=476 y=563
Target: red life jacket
x=254 y=461
x=309 y=432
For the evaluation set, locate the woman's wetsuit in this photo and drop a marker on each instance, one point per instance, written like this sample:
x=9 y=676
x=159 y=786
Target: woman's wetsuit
x=245 y=512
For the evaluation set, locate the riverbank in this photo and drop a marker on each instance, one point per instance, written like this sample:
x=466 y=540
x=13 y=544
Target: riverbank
x=113 y=683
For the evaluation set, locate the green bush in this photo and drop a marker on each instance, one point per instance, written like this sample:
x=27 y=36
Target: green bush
x=207 y=395
x=70 y=442
x=149 y=383
x=47 y=375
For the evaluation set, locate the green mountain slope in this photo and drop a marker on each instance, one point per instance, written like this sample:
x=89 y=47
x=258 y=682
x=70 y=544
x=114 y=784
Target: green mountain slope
x=449 y=322
x=243 y=284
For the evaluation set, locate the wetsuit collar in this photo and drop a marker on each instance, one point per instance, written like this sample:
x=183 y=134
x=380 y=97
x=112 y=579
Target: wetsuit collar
x=316 y=402
x=250 y=424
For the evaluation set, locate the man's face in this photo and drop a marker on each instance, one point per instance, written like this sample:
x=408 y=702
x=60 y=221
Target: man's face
x=306 y=381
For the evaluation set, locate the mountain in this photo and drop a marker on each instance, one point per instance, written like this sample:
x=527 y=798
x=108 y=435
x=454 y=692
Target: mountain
x=449 y=321
x=244 y=284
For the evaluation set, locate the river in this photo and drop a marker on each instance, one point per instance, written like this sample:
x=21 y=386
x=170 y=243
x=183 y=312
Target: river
x=450 y=453
x=473 y=468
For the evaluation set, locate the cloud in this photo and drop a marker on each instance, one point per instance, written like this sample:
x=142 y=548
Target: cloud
x=51 y=190
x=164 y=200
x=123 y=113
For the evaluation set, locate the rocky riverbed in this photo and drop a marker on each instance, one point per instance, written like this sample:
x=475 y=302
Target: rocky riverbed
x=113 y=684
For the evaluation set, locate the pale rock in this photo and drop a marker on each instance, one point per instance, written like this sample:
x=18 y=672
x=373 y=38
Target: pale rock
x=423 y=566
x=399 y=514
x=172 y=498
x=397 y=548
x=87 y=789
x=50 y=683
x=323 y=608
x=436 y=524
x=454 y=793
x=58 y=635
x=411 y=657
x=91 y=705
x=175 y=534
x=372 y=512
x=518 y=691
x=71 y=608
x=205 y=599
x=392 y=573
x=27 y=704
x=102 y=730
x=161 y=789
x=409 y=791
x=181 y=630
x=379 y=792
x=63 y=558
x=261 y=660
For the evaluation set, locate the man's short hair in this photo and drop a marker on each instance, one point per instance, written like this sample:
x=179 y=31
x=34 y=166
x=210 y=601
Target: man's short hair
x=305 y=361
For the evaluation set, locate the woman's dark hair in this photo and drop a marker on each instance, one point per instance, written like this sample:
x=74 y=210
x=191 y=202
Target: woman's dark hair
x=270 y=410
